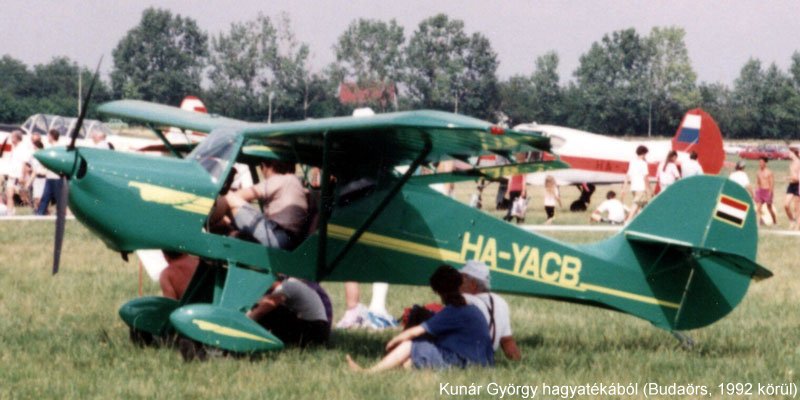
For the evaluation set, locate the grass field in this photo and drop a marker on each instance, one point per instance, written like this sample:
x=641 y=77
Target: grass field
x=60 y=337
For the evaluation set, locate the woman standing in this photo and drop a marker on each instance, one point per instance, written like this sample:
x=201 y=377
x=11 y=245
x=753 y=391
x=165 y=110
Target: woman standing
x=668 y=172
x=551 y=198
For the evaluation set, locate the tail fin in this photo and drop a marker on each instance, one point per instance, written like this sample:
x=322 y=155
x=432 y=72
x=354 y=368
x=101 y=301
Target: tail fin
x=192 y=103
x=699 y=236
x=699 y=132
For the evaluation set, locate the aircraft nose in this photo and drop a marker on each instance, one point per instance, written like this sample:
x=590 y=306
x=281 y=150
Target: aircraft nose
x=57 y=159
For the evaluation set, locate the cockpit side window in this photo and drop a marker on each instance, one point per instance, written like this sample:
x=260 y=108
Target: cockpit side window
x=216 y=152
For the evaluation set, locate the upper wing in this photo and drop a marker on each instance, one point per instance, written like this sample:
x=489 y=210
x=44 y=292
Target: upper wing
x=355 y=144
x=159 y=114
x=388 y=140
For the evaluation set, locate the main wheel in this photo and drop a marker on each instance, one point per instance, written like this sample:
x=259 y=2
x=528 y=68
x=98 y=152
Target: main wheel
x=142 y=338
x=191 y=350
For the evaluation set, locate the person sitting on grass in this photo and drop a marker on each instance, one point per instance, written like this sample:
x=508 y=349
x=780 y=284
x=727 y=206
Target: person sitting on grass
x=475 y=286
x=294 y=311
x=176 y=277
x=617 y=212
x=457 y=336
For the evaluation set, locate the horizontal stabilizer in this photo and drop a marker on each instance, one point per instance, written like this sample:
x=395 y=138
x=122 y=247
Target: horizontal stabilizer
x=704 y=213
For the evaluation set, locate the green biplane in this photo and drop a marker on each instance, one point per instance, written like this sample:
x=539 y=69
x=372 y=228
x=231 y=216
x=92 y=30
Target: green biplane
x=684 y=263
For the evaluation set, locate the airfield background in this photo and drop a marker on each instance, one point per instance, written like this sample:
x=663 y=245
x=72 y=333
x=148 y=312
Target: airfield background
x=627 y=82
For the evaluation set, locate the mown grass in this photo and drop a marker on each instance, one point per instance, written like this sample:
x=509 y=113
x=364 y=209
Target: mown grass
x=60 y=337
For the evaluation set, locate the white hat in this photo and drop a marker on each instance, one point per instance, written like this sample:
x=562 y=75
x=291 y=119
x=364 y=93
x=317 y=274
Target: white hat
x=478 y=271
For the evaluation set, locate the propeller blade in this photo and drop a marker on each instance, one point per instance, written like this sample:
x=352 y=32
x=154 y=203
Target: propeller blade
x=84 y=107
x=63 y=195
x=61 y=220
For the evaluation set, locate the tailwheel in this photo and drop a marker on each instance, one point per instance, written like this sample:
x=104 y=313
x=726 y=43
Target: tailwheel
x=687 y=343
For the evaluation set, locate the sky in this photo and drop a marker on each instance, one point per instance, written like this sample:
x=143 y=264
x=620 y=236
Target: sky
x=720 y=35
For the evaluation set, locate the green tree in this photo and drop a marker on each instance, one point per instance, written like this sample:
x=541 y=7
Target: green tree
x=748 y=100
x=50 y=88
x=297 y=89
x=15 y=87
x=536 y=98
x=449 y=70
x=370 y=53
x=477 y=86
x=716 y=99
x=546 y=89
x=794 y=70
x=15 y=78
x=765 y=103
x=241 y=74
x=780 y=104
x=517 y=101
x=671 y=88
x=435 y=56
x=161 y=59
x=259 y=72
x=323 y=89
x=612 y=85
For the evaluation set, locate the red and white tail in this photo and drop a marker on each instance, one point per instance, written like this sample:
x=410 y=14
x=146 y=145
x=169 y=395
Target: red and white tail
x=192 y=103
x=699 y=132
x=175 y=135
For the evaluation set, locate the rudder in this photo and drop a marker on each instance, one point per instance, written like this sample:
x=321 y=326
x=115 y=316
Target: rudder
x=709 y=224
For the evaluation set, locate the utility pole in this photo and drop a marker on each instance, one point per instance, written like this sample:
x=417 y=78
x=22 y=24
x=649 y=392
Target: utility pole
x=80 y=84
x=269 y=115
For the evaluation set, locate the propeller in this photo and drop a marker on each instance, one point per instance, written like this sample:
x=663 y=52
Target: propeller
x=63 y=195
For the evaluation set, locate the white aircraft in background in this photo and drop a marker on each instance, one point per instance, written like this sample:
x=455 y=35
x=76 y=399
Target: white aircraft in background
x=602 y=159
x=180 y=137
x=43 y=123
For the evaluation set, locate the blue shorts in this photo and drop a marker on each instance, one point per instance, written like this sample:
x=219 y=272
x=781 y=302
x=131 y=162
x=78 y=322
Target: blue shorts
x=251 y=221
x=793 y=188
x=425 y=354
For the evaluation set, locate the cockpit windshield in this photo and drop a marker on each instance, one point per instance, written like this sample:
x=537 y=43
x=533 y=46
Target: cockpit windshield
x=216 y=152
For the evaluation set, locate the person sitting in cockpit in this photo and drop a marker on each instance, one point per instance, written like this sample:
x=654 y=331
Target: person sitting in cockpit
x=285 y=207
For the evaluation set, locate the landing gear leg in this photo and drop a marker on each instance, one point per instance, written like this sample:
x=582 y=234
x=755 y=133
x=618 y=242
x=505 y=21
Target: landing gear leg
x=687 y=343
x=191 y=350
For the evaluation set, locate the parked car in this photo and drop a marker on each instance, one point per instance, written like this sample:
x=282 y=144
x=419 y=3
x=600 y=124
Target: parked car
x=772 y=152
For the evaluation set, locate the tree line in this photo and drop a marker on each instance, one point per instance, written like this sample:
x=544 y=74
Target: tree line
x=626 y=83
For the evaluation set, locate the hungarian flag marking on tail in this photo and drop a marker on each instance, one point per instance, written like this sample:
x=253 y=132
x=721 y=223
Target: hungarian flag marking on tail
x=731 y=211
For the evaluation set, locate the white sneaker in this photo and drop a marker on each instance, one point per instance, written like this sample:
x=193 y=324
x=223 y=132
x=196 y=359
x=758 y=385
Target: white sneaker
x=353 y=317
x=380 y=320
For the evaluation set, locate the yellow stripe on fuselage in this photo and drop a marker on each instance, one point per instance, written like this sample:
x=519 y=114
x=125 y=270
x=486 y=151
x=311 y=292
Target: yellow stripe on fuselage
x=630 y=296
x=183 y=201
x=226 y=331
x=385 y=242
x=421 y=250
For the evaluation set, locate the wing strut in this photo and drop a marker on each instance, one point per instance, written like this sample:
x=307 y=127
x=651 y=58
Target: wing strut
x=163 y=138
x=326 y=206
x=324 y=271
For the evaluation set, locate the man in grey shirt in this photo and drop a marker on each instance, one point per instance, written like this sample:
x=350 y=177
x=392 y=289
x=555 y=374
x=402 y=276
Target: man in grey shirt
x=294 y=312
